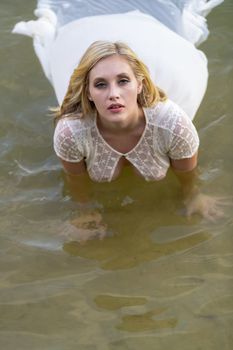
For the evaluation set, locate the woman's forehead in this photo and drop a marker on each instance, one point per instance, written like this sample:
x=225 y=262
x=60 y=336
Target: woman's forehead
x=111 y=65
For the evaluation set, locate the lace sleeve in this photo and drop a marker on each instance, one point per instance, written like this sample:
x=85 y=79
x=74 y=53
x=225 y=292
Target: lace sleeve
x=66 y=143
x=184 y=140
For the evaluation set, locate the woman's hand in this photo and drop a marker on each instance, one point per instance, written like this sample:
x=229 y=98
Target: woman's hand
x=210 y=208
x=89 y=225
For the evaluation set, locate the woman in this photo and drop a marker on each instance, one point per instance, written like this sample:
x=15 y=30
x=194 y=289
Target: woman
x=114 y=116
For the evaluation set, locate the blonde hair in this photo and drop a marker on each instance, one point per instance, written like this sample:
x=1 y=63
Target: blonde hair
x=76 y=102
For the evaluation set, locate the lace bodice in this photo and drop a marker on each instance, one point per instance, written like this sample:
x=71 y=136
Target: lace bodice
x=168 y=134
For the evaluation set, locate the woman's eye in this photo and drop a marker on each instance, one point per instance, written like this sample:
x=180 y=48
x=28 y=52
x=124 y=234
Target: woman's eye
x=100 y=85
x=123 y=81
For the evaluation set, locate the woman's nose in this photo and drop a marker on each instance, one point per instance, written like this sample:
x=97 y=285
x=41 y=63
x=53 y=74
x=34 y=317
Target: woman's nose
x=113 y=92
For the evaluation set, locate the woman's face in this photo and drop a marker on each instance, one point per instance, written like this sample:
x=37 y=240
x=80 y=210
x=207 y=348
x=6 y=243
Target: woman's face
x=114 y=89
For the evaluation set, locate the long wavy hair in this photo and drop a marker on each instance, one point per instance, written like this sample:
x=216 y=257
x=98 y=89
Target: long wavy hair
x=76 y=102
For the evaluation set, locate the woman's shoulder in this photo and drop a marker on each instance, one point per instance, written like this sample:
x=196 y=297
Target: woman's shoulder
x=173 y=130
x=166 y=114
x=74 y=125
x=71 y=137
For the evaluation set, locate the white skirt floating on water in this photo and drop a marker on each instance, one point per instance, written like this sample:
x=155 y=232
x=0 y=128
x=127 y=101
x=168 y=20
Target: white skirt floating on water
x=174 y=62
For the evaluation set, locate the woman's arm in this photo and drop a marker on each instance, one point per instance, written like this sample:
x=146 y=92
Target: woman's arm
x=74 y=168
x=77 y=180
x=90 y=223
x=187 y=174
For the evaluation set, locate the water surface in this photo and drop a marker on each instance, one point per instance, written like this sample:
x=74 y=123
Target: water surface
x=158 y=280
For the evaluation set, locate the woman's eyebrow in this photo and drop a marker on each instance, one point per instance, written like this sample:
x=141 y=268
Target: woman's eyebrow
x=120 y=75
x=99 y=79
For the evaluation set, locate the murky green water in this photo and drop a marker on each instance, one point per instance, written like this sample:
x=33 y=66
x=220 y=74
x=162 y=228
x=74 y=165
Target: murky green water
x=158 y=281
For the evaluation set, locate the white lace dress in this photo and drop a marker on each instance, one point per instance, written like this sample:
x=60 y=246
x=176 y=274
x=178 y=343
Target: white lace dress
x=169 y=134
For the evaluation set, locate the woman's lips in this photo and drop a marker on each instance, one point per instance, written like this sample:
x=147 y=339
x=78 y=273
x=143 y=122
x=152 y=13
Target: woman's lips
x=116 y=108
